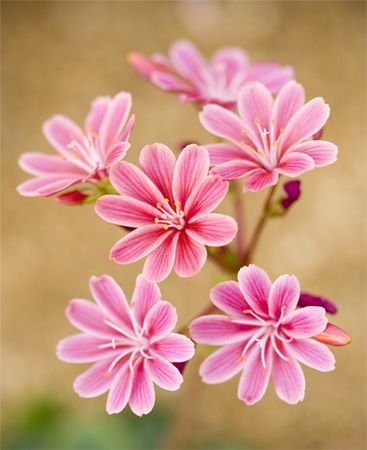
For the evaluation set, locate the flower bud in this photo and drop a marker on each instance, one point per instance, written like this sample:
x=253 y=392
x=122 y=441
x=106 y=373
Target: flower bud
x=333 y=335
x=307 y=299
x=71 y=198
x=293 y=192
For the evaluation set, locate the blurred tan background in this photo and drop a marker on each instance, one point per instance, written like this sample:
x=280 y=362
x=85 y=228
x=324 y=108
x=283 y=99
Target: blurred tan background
x=56 y=57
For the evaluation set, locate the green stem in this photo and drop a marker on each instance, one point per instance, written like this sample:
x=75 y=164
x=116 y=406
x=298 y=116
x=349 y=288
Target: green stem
x=259 y=228
x=240 y=218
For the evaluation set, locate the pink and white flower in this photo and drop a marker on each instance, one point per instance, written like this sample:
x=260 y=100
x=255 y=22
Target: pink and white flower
x=132 y=347
x=268 y=138
x=169 y=204
x=263 y=335
x=186 y=73
x=84 y=155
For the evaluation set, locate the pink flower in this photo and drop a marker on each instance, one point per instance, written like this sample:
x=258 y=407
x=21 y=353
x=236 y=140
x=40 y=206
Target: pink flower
x=169 y=204
x=186 y=73
x=268 y=137
x=262 y=335
x=83 y=155
x=132 y=347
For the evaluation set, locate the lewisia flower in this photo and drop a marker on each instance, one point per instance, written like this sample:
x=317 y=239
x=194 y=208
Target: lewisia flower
x=83 y=155
x=268 y=138
x=132 y=347
x=263 y=335
x=186 y=73
x=169 y=204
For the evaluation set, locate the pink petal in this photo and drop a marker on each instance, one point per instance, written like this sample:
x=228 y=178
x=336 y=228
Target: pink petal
x=288 y=380
x=116 y=153
x=289 y=100
x=214 y=229
x=188 y=61
x=260 y=179
x=233 y=60
x=142 y=64
x=223 y=123
x=223 y=364
x=217 y=329
x=191 y=169
x=114 y=120
x=125 y=211
x=163 y=373
x=138 y=244
x=158 y=162
x=255 y=286
x=293 y=164
x=159 y=263
x=48 y=185
x=44 y=164
x=120 y=390
x=169 y=82
x=160 y=320
x=125 y=135
x=228 y=297
x=190 y=256
x=235 y=169
x=272 y=75
x=87 y=317
x=94 y=381
x=142 y=396
x=97 y=113
x=60 y=132
x=223 y=153
x=111 y=299
x=145 y=296
x=255 y=377
x=312 y=353
x=305 y=322
x=284 y=295
x=322 y=152
x=81 y=348
x=132 y=182
x=205 y=197
x=255 y=103
x=306 y=121
x=175 y=348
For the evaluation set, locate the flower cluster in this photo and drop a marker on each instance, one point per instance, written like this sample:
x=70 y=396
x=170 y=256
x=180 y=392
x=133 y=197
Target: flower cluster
x=165 y=210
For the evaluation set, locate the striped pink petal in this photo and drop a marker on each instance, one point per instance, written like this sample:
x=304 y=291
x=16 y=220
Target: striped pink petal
x=163 y=373
x=125 y=211
x=205 y=197
x=158 y=162
x=142 y=396
x=120 y=390
x=228 y=297
x=175 y=348
x=284 y=295
x=288 y=380
x=213 y=229
x=305 y=322
x=94 y=381
x=255 y=285
x=145 y=296
x=81 y=348
x=312 y=353
x=223 y=364
x=217 y=329
x=191 y=169
x=159 y=263
x=138 y=244
x=160 y=320
x=190 y=256
x=114 y=119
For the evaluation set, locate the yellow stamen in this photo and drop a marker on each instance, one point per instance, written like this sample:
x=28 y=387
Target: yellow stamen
x=257 y=121
x=156 y=220
x=182 y=213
